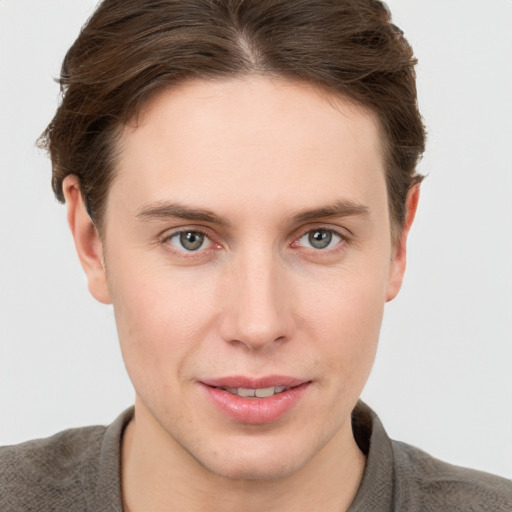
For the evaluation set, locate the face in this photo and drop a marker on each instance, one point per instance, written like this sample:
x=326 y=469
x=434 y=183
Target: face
x=248 y=252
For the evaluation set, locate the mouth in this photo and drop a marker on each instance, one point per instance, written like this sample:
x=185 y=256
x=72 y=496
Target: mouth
x=260 y=387
x=256 y=393
x=256 y=401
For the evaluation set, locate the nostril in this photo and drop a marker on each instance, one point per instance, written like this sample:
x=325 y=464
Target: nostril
x=258 y=342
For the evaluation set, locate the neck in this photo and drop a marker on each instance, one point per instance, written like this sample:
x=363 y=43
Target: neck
x=156 y=476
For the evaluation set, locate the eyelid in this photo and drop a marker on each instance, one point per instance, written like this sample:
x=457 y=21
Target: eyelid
x=165 y=237
x=344 y=234
x=176 y=241
x=170 y=232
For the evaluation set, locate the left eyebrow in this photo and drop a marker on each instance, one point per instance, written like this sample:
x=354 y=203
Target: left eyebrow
x=341 y=208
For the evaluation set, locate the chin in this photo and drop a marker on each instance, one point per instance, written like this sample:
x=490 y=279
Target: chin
x=251 y=470
x=247 y=462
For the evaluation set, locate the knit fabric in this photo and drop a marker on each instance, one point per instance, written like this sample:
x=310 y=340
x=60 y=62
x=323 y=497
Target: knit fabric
x=79 y=470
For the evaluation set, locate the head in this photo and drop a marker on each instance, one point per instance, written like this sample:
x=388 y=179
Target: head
x=130 y=50
x=240 y=179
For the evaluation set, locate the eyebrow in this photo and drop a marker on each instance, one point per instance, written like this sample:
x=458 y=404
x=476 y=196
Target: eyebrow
x=165 y=210
x=341 y=208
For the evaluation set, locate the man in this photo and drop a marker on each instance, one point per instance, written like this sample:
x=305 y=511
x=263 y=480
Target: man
x=240 y=181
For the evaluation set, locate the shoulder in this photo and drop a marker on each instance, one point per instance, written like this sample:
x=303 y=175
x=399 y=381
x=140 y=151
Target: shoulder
x=436 y=485
x=401 y=477
x=47 y=473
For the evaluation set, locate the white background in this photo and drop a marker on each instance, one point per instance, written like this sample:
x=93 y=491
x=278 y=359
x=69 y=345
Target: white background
x=443 y=376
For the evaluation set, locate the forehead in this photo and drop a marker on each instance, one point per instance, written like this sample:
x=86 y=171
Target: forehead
x=233 y=140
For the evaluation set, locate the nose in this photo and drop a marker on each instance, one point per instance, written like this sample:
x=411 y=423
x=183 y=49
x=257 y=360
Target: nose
x=256 y=303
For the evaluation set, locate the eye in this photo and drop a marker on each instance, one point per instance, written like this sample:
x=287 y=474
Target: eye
x=189 y=241
x=320 y=239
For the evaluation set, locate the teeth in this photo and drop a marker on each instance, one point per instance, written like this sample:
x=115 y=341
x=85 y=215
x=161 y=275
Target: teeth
x=256 y=393
x=246 y=392
x=264 y=392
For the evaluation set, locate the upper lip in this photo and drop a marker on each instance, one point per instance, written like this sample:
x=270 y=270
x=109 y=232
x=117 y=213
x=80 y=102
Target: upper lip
x=240 y=381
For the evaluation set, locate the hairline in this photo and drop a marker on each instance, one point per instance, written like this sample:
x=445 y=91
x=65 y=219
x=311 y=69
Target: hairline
x=331 y=95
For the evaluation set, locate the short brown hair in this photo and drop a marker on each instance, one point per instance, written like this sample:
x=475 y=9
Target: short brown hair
x=131 y=49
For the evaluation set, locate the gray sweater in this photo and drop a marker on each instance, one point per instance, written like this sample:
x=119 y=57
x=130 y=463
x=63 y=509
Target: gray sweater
x=79 y=470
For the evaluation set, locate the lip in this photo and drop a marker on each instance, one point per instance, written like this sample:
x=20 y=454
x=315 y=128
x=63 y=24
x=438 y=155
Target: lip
x=240 y=381
x=255 y=411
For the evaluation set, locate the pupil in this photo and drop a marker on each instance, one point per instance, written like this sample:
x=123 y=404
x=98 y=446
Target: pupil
x=191 y=240
x=320 y=239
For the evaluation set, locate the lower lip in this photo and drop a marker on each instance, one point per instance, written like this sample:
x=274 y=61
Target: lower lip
x=256 y=411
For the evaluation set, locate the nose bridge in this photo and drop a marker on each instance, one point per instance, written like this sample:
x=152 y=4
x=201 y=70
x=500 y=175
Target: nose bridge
x=256 y=313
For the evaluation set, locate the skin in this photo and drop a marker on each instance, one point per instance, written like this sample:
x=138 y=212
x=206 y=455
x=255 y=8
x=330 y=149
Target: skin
x=256 y=299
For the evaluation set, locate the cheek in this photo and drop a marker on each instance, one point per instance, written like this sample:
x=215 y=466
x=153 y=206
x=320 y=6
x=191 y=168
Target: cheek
x=347 y=314
x=160 y=319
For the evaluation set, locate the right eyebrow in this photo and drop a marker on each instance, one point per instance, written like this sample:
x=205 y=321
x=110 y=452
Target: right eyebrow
x=167 y=210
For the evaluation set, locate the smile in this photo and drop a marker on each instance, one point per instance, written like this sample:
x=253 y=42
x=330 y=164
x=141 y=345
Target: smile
x=256 y=393
x=255 y=401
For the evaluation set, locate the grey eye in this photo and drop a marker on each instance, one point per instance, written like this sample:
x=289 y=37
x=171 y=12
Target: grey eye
x=320 y=239
x=189 y=240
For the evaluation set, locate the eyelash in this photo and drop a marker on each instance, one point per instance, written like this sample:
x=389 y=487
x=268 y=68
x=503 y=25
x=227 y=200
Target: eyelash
x=184 y=253
x=342 y=240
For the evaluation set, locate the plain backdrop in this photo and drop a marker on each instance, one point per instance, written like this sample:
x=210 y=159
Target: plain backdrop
x=443 y=375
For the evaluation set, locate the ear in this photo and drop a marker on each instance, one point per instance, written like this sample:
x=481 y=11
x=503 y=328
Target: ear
x=399 y=257
x=87 y=240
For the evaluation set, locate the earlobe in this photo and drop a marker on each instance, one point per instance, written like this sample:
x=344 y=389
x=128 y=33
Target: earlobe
x=399 y=259
x=87 y=240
